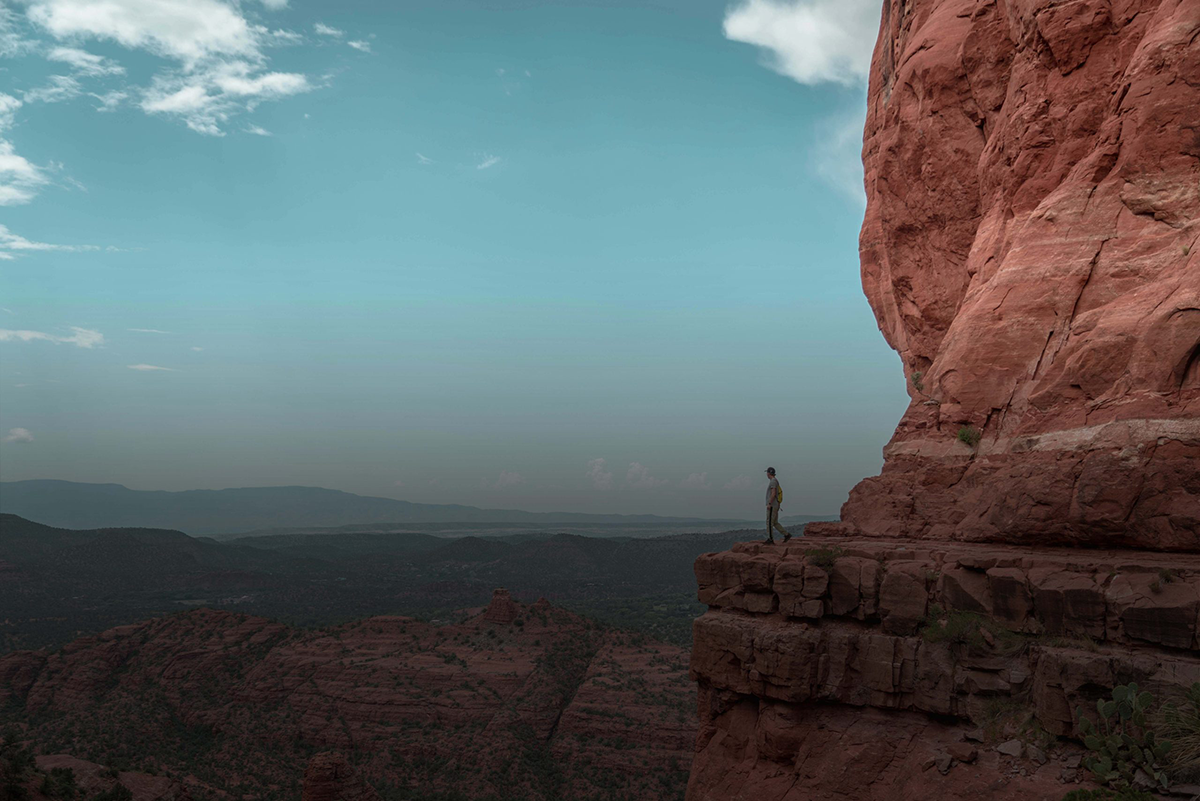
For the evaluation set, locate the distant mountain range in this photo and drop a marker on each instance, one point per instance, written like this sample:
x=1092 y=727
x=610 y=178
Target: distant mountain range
x=69 y=504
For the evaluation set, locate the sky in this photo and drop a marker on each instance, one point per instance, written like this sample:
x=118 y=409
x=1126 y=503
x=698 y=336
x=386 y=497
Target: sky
x=549 y=256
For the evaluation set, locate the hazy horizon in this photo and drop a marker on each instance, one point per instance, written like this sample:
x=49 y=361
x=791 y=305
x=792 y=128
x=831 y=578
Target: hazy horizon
x=539 y=257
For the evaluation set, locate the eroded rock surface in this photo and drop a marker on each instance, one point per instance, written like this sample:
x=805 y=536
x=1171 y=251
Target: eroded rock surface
x=876 y=669
x=1030 y=248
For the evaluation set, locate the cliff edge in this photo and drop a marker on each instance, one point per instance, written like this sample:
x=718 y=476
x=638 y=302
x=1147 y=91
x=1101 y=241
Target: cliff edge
x=1030 y=250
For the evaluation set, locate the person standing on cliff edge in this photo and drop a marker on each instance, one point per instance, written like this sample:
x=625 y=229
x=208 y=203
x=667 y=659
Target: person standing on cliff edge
x=774 y=501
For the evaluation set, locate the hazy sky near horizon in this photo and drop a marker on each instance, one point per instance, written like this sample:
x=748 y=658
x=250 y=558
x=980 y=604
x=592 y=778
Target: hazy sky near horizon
x=551 y=256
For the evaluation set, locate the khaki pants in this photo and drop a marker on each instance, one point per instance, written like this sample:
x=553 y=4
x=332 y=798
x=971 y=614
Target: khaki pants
x=773 y=523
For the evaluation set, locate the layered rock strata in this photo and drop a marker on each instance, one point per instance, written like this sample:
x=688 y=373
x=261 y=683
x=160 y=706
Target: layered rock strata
x=1030 y=249
x=872 y=669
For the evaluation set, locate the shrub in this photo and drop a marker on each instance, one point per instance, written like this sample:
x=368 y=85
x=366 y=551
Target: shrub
x=970 y=435
x=824 y=557
x=1181 y=725
x=1105 y=794
x=916 y=380
x=1122 y=743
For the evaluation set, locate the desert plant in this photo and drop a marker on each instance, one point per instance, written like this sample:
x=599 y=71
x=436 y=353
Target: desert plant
x=1105 y=794
x=1180 y=724
x=824 y=558
x=1122 y=743
x=970 y=435
x=916 y=380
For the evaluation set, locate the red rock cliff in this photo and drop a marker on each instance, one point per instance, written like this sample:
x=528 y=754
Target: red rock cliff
x=1030 y=250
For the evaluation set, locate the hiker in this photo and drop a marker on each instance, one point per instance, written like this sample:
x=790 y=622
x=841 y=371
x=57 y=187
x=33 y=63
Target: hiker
x=774 y=500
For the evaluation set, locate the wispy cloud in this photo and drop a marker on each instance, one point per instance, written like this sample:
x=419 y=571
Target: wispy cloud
x=109 y=101
x=147 y=331
x=220 y=67
x=11 y=243
x=148 y=368
x=507 y=479
x=258 y=130
x=80 y=337
x=85 y=63
x=328 y=30
x=601 y=479
x=695 y=481
x=838 y=154
x=739 y=483
x=423 y=159
x=360 y=45
x=487 y=162
x=810 y=41
x=20 y=179
x=57 y=89
x=18 y=435
x=639 y=477
x=197 y=348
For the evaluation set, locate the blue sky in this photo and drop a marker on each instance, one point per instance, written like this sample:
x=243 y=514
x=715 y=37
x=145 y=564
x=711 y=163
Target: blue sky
x=534 y=255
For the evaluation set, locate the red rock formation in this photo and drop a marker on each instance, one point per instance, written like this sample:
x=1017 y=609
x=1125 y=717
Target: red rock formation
x=475 y=707
x=501 y=610
x=329 y=777
x=872 y=669
x=92 y=779
x=1030 y=249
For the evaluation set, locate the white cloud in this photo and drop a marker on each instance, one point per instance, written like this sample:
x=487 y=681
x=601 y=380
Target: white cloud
x=110 y=100
x=275 y=5
x=11 y=42
x=360 y=45
x=189 y=31
x=20 y=179
x=80 y=337
x=601 y=479
x=10 y=242
x=697 y=481
x=837 y=154
x=487 y=162
x=423 y=159
x=810 y=41
x=85 y=63
x=258 y=130
x=328 y=30
x=221 y=68
x=56 y=90
x=146 y=368
x=639 y=477
x=18 y=435
x=739 y=483
x=8 y=110
x=197 y=348
x=147 y=331
x=508 y=479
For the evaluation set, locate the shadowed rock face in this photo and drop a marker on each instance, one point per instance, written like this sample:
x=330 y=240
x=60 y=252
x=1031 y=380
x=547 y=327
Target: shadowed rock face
x=1030 y=249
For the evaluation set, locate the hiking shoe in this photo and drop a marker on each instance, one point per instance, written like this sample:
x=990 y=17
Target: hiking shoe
x=787 y=537
x=769 y=541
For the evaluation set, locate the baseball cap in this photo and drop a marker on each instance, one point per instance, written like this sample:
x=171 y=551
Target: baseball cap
x=770 y=470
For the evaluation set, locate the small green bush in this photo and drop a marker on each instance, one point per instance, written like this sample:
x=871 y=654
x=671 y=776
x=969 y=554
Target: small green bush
x=1121 y=742
x=970 y=435
x=1180 y=723
x=824 y=557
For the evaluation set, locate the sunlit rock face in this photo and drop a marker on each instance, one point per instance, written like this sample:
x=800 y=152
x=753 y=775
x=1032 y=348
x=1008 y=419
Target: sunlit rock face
x=1030 y=249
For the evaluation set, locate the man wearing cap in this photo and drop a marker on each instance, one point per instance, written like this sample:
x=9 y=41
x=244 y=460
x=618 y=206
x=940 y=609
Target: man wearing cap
x=773 y=502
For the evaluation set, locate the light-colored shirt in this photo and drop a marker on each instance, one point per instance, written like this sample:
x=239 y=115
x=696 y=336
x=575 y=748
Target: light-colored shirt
x=772 y=494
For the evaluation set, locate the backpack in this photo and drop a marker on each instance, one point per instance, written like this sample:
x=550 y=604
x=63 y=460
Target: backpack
x=778 y=495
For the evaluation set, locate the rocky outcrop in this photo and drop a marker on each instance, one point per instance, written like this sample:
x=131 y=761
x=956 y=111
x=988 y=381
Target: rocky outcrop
x=330 y=777
x=502 y=609
x=884 y=669
x=545 y=705
x=1030 y=249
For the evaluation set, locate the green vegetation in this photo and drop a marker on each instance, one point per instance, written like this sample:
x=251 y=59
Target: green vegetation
x=916 y=381
x=970 y=435
x=16 y=765
x=824 y=558
x=59 y=783
x=1122 y=743
x=1180 y=724
x=974 y=631
x=1105 y=794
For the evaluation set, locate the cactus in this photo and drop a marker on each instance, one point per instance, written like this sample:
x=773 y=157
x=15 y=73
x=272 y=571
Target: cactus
x=1121 y=744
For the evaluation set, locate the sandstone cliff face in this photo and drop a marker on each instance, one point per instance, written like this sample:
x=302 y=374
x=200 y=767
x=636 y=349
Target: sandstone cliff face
x=1030 y=248
x=834 y=669
x=545 y=705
